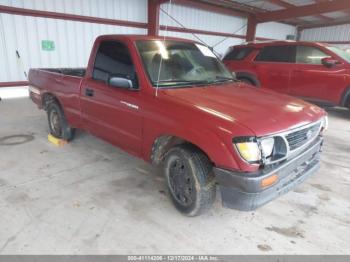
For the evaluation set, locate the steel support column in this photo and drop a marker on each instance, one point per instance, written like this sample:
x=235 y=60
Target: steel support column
x=251 y=29
x=153 y=17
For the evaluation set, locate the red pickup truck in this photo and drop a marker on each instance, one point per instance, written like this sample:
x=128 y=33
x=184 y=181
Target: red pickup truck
x=313 y=71
x=174 y=104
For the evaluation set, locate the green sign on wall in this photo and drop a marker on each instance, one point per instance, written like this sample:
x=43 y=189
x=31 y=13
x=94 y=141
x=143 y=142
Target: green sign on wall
x=47 y=45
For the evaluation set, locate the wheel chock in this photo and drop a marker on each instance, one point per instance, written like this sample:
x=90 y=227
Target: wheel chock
x=56 y=141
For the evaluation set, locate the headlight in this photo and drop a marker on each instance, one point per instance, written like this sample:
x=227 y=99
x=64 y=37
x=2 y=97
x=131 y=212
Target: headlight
x=267 y=145
x=248 y=149
x=261 y=150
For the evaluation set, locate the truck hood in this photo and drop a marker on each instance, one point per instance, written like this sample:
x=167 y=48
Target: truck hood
x=262 y=111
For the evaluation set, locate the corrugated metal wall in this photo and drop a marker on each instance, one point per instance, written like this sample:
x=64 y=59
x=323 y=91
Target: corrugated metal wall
x=73 y=40
x=331 y=33
x=275 y=30
x=205 y=20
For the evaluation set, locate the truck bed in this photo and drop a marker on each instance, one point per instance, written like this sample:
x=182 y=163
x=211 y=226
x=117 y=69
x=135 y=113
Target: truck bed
x=80 y=72
x=63 y=83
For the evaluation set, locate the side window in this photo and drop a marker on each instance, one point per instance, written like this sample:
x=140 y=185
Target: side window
x=310 y=55
x=113 y=59
x=238 y=54
x=279 y=54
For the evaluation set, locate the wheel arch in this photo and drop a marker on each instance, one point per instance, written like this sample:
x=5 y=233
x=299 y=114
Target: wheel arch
x=211 y=145
x=250 y=76
x=48 y=98
x=163 y=143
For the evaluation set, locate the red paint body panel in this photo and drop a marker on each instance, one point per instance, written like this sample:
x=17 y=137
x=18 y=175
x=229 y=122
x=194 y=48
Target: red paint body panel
x=312 y=82
x=209 y=117
x=65 y=88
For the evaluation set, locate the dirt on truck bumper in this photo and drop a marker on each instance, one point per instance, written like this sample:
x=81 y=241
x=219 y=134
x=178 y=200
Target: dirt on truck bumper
x=245 y=191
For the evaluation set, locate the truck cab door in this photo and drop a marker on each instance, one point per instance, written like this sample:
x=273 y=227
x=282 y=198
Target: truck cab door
x=314 y=81
x=273 y=66
x=110 y=111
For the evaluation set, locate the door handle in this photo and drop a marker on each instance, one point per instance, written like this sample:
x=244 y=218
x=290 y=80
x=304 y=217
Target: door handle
x=89 y=92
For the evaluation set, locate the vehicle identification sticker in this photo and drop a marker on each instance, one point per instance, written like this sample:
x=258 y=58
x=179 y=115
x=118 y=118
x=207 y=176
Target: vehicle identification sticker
x=205 y=50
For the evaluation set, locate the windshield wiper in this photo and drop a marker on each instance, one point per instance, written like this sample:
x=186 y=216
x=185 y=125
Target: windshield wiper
x=181 y=81
x=221 y=79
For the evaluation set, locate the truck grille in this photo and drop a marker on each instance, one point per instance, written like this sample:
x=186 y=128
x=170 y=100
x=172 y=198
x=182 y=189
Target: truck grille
x=300 y=137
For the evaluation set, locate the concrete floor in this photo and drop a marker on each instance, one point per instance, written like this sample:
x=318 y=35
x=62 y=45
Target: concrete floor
x=89 y=197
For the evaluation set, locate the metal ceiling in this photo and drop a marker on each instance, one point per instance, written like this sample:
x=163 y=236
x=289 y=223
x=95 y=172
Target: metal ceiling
x=257 y=7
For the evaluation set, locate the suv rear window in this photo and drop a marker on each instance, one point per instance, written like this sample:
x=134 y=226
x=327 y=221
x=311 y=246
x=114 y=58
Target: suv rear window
x=238 y=53
x=280 y=54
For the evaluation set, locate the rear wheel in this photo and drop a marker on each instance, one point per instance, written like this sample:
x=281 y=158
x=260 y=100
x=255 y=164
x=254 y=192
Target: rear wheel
x=58 y=124
x=190 y=180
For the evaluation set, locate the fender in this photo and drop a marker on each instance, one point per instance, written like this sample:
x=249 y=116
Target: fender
x=345 y=97
x=217 y=146
x=217 y=151
x=249 y=76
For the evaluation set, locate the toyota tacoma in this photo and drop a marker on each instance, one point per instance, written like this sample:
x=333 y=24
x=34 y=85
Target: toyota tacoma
x=173 y=103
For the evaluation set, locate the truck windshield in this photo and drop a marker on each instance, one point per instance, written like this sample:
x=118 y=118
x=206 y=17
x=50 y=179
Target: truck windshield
x=343 y=54
x=175 y=63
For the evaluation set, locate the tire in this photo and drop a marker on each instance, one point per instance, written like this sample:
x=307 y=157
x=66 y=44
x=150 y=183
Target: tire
x=247 y=81
x=347 y=104
x=57 y=122
x=190 y=180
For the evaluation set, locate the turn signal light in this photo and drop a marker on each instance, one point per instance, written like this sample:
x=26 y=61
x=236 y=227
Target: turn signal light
x=266 y=182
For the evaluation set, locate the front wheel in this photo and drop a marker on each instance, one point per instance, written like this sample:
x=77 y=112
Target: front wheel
x=190 y=180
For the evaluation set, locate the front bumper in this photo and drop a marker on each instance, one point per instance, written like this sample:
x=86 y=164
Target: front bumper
x=243 y=191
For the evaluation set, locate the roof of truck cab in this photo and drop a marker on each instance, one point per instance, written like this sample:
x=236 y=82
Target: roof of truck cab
x=260 y=44
x=145 y=37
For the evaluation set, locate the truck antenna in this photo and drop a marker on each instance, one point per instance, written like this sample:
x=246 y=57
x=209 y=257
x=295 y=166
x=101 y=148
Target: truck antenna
x=161 y=57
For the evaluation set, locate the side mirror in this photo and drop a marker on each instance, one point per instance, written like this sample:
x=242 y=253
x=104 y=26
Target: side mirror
x=120 y=82
x=329 y=62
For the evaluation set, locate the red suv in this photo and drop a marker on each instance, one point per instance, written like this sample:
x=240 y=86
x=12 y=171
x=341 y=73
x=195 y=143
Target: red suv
x=316 y=72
